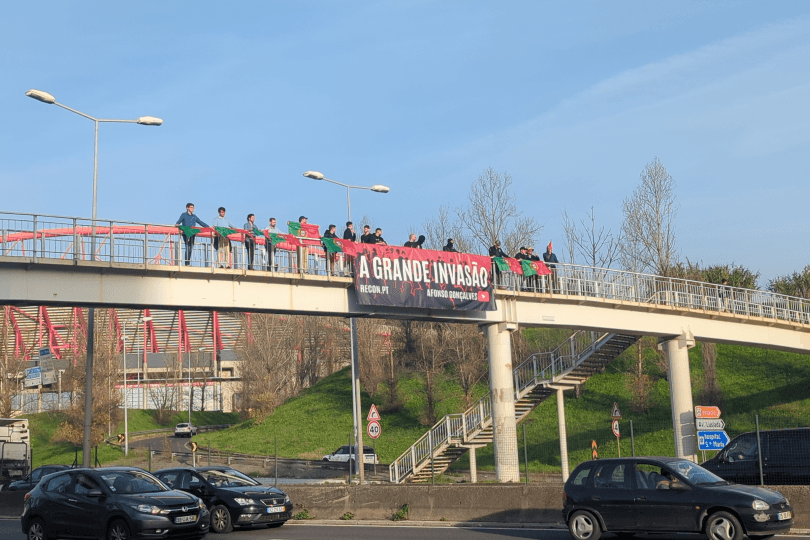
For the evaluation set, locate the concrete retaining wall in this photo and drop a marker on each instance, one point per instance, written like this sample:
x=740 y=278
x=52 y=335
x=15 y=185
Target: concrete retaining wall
x=539 y=503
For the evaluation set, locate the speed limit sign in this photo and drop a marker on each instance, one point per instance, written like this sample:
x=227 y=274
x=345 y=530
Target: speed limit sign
x=374 y=429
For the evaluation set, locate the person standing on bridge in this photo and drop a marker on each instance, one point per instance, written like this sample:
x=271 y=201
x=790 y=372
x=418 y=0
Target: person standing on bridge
x=450 y=246
x=250 y=241
x=351 y=236
x=331 y=233
x=496 y=251
x=221 y=243
x=413 y=242
x=551 y=261
x=271 y=251
x=189 y=219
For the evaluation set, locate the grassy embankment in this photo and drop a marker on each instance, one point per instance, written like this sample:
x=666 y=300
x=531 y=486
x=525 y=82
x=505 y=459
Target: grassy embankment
x=754 y=381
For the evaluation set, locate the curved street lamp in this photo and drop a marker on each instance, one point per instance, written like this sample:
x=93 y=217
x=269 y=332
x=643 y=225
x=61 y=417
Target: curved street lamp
x=356 y=414
x=47 y=98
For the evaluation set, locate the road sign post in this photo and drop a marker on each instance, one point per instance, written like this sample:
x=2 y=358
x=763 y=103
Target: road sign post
x=374 y=429
x=712 y=440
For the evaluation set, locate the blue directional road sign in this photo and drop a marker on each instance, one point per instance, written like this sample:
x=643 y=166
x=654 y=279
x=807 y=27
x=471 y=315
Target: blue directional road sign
x=712 y=440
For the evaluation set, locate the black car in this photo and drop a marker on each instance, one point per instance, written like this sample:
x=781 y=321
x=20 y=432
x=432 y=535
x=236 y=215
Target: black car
x=233 y=498
x=28 y=483
x=114 y=503
x=783 y=453
x=664 y=494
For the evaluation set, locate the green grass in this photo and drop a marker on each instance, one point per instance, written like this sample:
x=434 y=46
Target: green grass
x=44 y=425
x=771 y=384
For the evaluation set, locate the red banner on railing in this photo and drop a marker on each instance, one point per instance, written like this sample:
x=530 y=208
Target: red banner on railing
x=406 y=277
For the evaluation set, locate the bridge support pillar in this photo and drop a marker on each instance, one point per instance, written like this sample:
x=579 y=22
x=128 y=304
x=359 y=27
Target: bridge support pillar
x=563 y=433
x=471 y=448
x=502 y=392
x=680 y=390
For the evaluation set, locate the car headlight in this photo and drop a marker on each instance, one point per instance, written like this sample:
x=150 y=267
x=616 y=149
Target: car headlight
x=286 y=499
x=244 y=502
x=149 y=509
x=760 y=505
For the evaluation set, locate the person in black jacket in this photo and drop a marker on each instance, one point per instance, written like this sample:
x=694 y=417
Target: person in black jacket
x=551 y=260
x=450 y=246
x=496 y=251
x=330 y=233
x=414 y=243
x=349 y=233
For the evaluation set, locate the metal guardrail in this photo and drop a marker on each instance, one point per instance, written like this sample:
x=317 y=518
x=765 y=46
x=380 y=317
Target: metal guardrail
x=34 y=238
x=463 y=427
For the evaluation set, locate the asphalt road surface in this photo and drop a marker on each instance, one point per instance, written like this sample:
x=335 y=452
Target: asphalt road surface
x=10 y=530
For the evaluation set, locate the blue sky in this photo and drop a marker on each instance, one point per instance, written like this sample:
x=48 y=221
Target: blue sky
x=571 y=99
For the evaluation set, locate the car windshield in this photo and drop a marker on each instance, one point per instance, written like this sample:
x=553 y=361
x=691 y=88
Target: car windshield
x=228 y=478
x=180 y=426
x=695 y=473
x=132 y=482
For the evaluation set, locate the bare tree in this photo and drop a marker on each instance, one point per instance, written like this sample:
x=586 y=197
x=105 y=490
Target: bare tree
x=492 y=214
x=428 y=362
x=468 y=356
x=597 y=247
x=649 y=222
x=442 y=227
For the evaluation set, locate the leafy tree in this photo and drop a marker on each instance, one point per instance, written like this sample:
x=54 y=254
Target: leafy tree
x=796 y=284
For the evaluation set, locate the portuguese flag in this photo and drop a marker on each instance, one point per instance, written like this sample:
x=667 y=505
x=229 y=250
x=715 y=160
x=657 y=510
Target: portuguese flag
x=307 y=230
x=534 y=268
x=501 y=264
x=279 y=238
x=338 y=245
x=508 y=264
x=257 y=232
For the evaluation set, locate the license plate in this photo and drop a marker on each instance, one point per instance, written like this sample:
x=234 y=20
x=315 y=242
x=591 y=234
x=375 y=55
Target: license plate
x=185 y=519
x=275 y=509
x=783 y=515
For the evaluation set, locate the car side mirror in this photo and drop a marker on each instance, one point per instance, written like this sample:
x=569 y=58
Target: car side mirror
x=95 y=494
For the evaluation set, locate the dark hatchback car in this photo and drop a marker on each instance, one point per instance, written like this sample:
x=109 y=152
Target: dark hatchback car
x=28 y=483
x=662 y=494
x=233 y=498
x=115 y=503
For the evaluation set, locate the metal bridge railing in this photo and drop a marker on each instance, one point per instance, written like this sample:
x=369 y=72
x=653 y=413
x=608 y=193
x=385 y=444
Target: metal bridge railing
x=35 y=238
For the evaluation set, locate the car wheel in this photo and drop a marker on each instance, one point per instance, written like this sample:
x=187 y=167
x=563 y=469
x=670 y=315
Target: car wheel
x=221 y=520
x=118 y=530
x=36 y=530
x=723 y=526
x=584 y=526
x=324 y=459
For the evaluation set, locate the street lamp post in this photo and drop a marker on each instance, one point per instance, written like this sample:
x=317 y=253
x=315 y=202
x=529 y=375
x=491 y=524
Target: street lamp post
x=45 y=97
x=126 y=427
x=356 y=413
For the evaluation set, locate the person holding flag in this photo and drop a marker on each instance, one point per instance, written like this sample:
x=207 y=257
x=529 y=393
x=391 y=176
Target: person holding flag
x=250 y=240
x=223 y=228
x=268 y=244
x=551 y=261
x=185 y=222
x=330 y=233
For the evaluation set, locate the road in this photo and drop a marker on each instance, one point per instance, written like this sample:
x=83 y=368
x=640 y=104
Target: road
x=10 y=530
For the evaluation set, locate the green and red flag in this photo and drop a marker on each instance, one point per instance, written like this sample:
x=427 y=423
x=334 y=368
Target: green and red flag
x=514 y=265
x=534 y=268
x=338 y=245
x=190 y=231
x=304 y=230
x=501 y=264
x=224 y=231
x=257 y=232
x=279 y=238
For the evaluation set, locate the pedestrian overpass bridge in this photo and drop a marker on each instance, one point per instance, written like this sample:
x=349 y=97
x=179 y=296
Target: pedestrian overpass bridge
x=47 y=260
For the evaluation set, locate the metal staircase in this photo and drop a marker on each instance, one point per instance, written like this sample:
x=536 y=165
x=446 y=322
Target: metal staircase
x=535 y=379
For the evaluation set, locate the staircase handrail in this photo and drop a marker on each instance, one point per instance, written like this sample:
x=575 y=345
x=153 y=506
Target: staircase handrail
x=464 y=425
